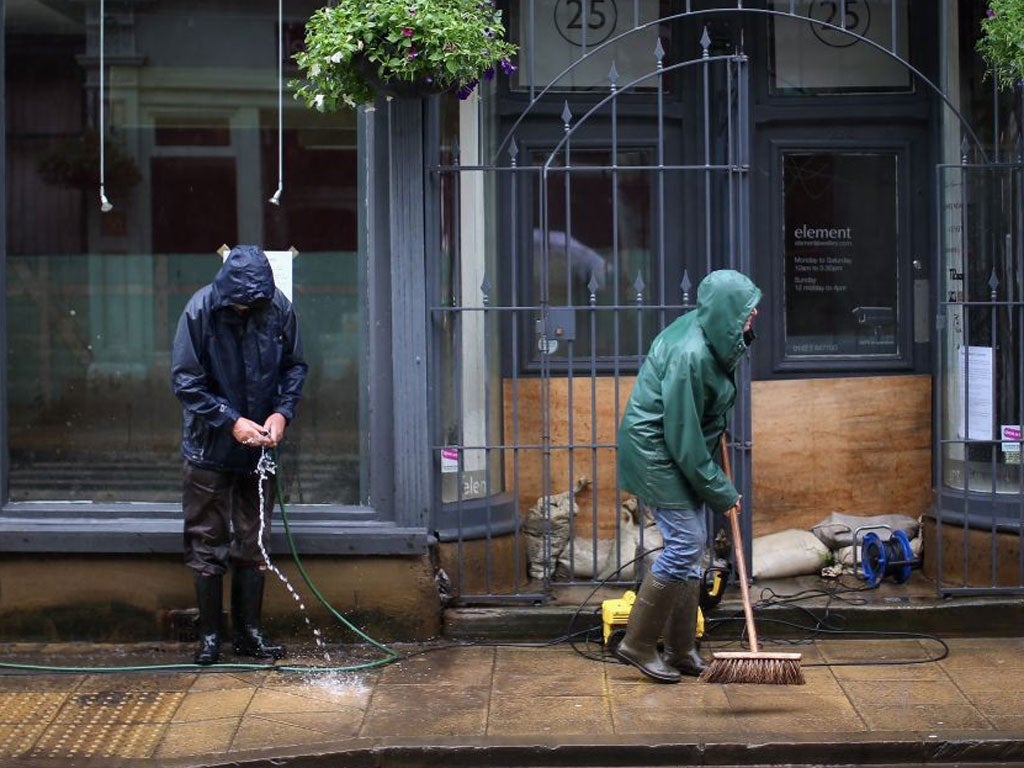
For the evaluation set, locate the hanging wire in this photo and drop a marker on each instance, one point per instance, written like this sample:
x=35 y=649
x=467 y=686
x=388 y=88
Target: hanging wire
x=275 y=199
x=105 y=205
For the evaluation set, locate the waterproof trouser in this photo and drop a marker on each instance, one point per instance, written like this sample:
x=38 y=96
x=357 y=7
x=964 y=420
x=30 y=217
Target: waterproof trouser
x=222 y=518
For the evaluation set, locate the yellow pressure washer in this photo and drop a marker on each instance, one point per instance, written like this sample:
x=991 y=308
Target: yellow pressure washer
x=615 y=616
x=615 y=612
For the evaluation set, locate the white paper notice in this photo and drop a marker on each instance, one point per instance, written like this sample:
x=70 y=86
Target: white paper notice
x=281 y=264
x=976 y=371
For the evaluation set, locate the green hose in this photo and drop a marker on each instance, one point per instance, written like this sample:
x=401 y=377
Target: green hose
x=390 y=655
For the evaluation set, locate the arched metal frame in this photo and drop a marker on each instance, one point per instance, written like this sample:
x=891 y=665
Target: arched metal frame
x=548 y=314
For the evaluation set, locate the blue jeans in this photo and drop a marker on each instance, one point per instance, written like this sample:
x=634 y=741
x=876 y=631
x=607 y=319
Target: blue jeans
x=685 y=532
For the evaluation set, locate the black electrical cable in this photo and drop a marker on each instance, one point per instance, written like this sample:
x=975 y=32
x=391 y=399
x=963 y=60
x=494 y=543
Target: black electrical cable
x=824 y=625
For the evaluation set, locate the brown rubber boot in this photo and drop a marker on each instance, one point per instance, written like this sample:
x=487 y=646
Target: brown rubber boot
x=646 y=618
x=680 y=633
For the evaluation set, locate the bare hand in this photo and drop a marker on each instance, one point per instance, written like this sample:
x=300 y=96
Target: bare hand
x=249 y=433
x=274 y=427
x=736 y=508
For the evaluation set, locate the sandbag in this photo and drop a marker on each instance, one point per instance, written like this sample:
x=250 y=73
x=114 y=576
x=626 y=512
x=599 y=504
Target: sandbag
x=845 y=556
x=792 y=552
x=836 y=530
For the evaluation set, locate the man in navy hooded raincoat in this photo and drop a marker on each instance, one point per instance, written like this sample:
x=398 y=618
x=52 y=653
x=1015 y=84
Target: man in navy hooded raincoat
x=238 y=370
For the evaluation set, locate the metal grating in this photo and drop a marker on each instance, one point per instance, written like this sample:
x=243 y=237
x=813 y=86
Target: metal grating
x=101 y=724
x=24 y=717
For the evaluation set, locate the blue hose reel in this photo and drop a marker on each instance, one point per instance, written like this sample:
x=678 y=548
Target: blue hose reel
x=892 y=558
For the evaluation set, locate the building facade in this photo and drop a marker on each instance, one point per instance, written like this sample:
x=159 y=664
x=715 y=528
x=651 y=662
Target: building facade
x=478 y=280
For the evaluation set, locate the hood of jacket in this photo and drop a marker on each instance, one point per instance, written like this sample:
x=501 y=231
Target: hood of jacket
x=725 y=299
x=244 y=278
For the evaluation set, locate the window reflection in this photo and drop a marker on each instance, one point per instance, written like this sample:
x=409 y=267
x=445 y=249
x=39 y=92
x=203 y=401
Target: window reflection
x=191 y=126
x=598 y=225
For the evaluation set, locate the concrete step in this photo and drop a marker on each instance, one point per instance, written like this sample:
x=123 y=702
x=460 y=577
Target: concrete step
x=785 y=610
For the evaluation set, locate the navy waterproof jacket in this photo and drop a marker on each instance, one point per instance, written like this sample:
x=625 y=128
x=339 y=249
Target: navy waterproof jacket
x=226 y=364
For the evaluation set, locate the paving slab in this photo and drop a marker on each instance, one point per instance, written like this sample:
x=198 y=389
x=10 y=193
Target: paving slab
x=899 y=701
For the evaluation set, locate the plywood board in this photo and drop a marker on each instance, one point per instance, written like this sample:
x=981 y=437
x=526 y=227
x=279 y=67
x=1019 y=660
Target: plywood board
x=584 y=421
x=855 y=445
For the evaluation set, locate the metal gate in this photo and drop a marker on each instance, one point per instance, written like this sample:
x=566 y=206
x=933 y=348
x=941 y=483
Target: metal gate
x=979 y=509
x=574 y=319
x=540 y=329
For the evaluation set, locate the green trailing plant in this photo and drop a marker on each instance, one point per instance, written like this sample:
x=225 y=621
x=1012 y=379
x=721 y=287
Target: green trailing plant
x=356 y=49
x=1001 y=44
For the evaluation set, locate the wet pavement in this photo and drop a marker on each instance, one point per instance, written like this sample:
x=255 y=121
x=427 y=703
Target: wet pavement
x=894 y=700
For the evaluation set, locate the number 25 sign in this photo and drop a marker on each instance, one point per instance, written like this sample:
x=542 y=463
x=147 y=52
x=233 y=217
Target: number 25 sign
x=589 y=22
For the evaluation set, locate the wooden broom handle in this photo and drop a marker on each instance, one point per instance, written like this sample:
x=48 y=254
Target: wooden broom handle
x=740 y=557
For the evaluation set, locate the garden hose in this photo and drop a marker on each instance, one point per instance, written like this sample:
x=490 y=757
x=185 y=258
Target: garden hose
x=390 y=655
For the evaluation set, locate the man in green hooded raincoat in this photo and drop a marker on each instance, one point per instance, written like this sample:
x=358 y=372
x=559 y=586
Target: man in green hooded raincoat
x=670 y=433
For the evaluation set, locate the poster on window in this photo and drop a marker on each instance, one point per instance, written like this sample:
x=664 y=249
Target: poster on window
x=579 y=36
x=834 y=46
x=841 y=253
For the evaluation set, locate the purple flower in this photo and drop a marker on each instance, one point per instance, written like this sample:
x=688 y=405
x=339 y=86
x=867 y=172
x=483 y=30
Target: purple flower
x=990 y=13
x=407 y=31
x=507 y=67
x=412 y=54
x=465 y=90
x=489 y=73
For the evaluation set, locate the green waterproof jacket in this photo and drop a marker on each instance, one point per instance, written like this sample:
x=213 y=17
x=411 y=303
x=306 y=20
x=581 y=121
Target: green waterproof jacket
x=682 y=400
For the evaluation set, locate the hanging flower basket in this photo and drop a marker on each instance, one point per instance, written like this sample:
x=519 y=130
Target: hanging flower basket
x=394 y=87
x=75 y=163
x=1002 y=41
x=356 y=50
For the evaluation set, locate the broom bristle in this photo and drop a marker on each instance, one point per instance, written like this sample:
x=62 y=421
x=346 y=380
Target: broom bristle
x=758 y=668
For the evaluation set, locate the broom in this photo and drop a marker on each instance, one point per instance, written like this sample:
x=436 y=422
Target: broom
x=752 y=666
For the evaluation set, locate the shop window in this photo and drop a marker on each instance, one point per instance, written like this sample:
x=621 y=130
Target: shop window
x=592 y=256
x=586 y=37
x=825 y=49
x=981 y=347
x=92 y=300
x=194 y=203
x=841 y=255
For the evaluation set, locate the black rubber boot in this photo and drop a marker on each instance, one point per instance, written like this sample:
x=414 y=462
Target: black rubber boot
x=210 y=597
x=246 y=609
x=646 y=618
x=680 y=633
